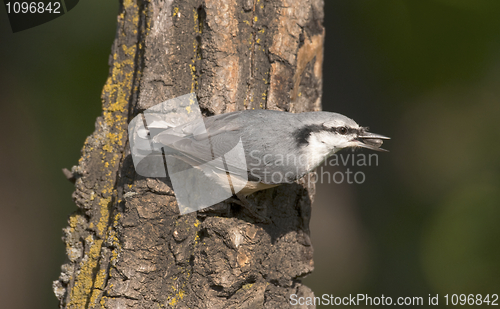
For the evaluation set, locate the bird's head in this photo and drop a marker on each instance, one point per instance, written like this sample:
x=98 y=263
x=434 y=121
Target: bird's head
x=329 y=132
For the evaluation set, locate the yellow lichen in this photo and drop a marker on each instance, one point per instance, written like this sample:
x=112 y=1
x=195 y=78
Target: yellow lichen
x=84 y=280
x=104 y=211
x=108 y=148
x=98 y=286
x=247 y=286
x=198 y=27
x=90 y=280
x=103 y=302
x=177 y=297
x=73 y=221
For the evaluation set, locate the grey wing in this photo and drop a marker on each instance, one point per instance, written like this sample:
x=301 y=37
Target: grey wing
x=202 y=141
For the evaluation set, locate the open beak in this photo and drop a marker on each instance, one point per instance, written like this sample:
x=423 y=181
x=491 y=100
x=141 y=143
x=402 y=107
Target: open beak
x=371 y=141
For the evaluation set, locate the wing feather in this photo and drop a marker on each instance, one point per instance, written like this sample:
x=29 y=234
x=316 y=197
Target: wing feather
x=199 y=142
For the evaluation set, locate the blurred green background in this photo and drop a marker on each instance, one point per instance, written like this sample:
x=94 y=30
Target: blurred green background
x=426 y=73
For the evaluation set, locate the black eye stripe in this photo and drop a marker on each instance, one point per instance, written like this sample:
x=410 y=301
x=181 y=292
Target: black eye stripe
x=352 y=131
x=348 y=130
x=302 y=135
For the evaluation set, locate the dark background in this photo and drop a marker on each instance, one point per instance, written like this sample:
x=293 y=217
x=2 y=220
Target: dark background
x=425 y=221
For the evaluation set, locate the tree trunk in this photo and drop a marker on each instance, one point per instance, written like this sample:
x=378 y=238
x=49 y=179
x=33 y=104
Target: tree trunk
x=127 y=246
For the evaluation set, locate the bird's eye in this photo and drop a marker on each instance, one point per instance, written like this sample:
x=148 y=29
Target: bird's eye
x=342 y=130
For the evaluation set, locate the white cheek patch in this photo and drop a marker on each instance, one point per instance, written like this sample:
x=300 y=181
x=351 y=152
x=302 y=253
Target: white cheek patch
x=321 y=145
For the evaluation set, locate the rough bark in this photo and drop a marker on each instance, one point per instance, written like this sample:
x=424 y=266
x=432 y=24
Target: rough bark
x=127 y=246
